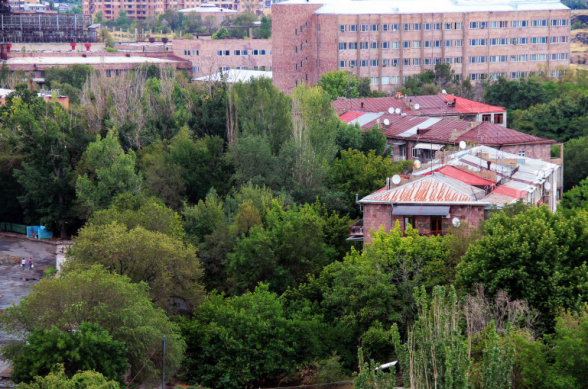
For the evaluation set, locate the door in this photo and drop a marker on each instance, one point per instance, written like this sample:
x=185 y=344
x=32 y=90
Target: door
x=436 y=225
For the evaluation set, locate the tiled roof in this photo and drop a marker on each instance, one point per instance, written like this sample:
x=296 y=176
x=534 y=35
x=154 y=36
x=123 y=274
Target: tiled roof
x=374 y=104
x=442 y=131
x=398 y=124
x=469 y=106
x=465 y=177
x=495 y=135
x=350 y=115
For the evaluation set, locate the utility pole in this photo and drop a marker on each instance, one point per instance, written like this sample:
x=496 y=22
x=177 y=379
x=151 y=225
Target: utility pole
x=163 y=365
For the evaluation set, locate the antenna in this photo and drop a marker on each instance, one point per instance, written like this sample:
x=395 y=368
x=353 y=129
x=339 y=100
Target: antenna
x=462 y=145
x=396 y=179
x=397 y=110
x=386 y=122
x=417 y=106
x=390 y=110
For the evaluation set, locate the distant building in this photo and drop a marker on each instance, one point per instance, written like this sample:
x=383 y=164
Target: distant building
x=219 y=14
x=210 y=56
x=47 y=95
x=389 y=41
x=462 y=187
x=233 y=76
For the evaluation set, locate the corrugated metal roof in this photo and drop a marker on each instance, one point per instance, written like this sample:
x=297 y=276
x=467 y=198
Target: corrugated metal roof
x=427 y=189
x=495 y=135
x=398 y=124
x=366 y=118
x=423 y=125
x=443 y=130
x=350 y=115
x=499 y=199
x=469 y=106
x=510 y=192
x=465 y=177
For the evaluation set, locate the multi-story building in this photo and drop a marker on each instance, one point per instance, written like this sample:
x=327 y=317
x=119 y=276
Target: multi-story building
x=390 y=40
x=208 y=55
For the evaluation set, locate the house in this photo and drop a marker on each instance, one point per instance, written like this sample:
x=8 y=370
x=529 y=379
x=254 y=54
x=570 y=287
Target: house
x=459 y=187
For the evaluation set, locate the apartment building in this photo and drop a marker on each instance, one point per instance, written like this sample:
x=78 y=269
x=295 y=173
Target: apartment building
x=140 y=9
x=209 y=56
x=390 y=40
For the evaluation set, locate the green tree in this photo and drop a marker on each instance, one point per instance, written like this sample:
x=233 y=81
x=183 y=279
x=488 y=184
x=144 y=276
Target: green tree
x=536 y=256
x=108 y=300
x=74 y=75
x=243 y=340
x=576 y=198
x=113 y=173
x=340 y=83
x=575 y=157
x=89 y=347
x=81 y=380
x=515 y=94
x=374 y=139
x=265 y=29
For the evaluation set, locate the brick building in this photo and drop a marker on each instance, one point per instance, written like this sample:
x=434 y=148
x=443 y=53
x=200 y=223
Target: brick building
x=462 y=187
x=388 y=41
x=208 y=55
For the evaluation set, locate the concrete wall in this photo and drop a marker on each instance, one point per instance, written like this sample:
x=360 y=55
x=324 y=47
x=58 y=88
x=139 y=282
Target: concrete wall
x=324 y=36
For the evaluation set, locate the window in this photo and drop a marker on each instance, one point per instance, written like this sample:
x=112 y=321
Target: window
x=405 y=79
x=539 y=23
x=374 y=27
x=258 y=52
x=373 y=45
x=394 y=62
x=395 y=80
x=416 y=44
x=352 y=63
x=406 y=44
x=479 y=59
x=436 y=225
x=448 y=60
x=409 y=220
x=518 y=58
x=306 y=25
x=499 y=58
x=352 y=45
x=519 y=41
x=342 y=28
x=342 y=46
x=437 y=26
x=458 y=42
x=498 y=42
x=416 y=61
x=437 y=60
x=342 y=64
x=501 y=24
x=459 y=26
x=478 y=42
x=364 y=28
x=457 y=77
x=223 y=53
x=448 y=26
x=521 y=153
x=519 y=23
x=416 y=26
x=395 y=45
x=559 y=39
x=478 y=76
x=498 y=117
x=374 y=62
x=559 y=56
x=538 y=40
x=487 y=118
x=517 y=75
x=374 y=80
x=363 y=45
x=394 y=27
x=353 y=28
x=560 y=22
x=195 y=69
x=448 y=43
x=428 y=26
x=406 y=61
x=296 y=32
x=385 y=45
x=364 y=63
x=385 y=80
x=476 y=25
x=538 y=57
x=457 y=60
x=427 y=44
x=437 y=44
x=385 y=62
x=406 y=27
x=427 y=61
x=385 y=27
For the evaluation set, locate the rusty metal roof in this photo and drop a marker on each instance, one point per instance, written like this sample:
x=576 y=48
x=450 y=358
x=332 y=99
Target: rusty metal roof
x=495 y=135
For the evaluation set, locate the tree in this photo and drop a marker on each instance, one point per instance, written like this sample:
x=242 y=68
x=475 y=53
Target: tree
x=575 y=157
x=81 y=380
x=114 y=173
x=515 y=94
x=50 y=142
x=577 y=197
x=99 y=297
x=536 y=256
x=374 y=139
x=89 y=347
x=170 y=268
x=265 y=29
x=242 y=340
x=340 y=83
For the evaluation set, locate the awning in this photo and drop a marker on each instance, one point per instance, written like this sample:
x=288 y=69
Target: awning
x=415 y=210
x=428 y=146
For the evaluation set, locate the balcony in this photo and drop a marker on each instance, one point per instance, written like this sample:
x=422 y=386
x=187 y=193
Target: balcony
x=356 y=230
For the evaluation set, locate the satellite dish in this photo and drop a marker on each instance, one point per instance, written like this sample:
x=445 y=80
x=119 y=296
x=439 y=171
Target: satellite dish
x=386 y=122
x=390 y=110
x=396 y=179
x=444 y=92
x=397 y=110
x=417 y=106
x=462 y=145
x=456 y=222
x=417 y=164
x=547 y=186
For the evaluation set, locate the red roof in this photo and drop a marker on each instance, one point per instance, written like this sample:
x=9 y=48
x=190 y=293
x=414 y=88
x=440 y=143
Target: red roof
x=350 y=115
x=465 y=177
x=495 y=135
x=469 y=106
x=510 y=192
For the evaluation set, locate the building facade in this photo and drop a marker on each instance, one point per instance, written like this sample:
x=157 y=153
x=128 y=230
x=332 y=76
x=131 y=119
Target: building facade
x=389 y=41
x=209 y=56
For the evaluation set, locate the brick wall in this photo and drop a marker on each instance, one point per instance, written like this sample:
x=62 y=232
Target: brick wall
x=203 y=54
x=537 y=151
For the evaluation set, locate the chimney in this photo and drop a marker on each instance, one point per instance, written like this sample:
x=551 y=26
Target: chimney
x=361 y=102
x=388 y=183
